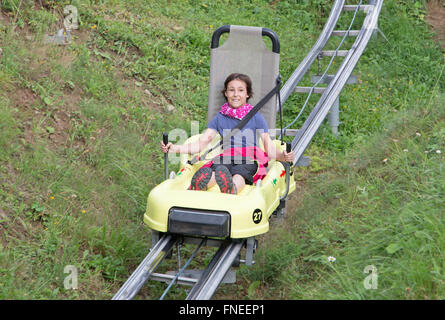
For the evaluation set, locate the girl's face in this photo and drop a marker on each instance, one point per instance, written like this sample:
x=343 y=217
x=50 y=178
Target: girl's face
x=236 y=93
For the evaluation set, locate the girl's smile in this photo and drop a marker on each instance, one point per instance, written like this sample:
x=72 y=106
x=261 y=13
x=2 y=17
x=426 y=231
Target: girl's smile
x=236 y=93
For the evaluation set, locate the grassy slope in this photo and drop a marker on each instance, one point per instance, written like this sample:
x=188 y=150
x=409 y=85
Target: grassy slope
x=80 y=127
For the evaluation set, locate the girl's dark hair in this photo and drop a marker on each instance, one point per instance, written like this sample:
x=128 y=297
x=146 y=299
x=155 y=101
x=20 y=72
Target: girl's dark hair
x=242 y=77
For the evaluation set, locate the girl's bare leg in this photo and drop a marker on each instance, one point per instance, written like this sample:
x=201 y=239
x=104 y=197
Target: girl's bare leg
x=239 y=182
x=212 y=181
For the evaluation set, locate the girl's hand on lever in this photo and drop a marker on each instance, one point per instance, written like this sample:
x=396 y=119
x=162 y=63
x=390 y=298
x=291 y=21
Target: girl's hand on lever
x=288 y=157
x=170 y=147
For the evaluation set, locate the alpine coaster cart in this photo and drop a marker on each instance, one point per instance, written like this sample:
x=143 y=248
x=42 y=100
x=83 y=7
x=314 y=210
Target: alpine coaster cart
x=212 y=217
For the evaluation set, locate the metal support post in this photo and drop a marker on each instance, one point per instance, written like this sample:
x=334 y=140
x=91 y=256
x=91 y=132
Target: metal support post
x=334 y=117
x=334 y=113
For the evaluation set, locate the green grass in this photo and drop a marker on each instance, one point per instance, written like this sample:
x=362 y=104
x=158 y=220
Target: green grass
x=80 y=127
x=380 y=205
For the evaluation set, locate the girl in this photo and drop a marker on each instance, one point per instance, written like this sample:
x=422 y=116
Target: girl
x=242 y=162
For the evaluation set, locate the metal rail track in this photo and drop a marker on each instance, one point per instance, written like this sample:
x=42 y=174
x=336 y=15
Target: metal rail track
x=204 y=287
x=304 y=66
x=329 y=94
x=132 y=286
x=216 y=270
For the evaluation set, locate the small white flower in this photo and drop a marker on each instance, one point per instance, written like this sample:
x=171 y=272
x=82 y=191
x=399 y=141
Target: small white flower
x=405 y=150
x=331 y=259
x=438 y=151
x=418 y=134
x=426 y=151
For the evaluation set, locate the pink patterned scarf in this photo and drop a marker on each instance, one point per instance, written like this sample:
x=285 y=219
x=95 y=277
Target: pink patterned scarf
x=237 y=113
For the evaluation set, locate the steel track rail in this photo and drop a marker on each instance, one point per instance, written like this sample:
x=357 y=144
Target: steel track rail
x=132 y=286
x=216 y=270
x=304 y=66
x=178 y=274
x=318 y=114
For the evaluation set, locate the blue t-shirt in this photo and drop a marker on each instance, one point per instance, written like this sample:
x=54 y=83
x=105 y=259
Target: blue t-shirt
x=250 y=133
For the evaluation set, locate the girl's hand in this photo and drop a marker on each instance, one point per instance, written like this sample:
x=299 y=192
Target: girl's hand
x=169 y=147
x=288 y=157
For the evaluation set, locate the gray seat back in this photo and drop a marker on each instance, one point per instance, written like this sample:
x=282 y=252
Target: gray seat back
x=245 y=52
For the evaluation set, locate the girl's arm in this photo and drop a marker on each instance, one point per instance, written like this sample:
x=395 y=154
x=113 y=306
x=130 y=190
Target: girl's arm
x=273 y=152
x=193 y=147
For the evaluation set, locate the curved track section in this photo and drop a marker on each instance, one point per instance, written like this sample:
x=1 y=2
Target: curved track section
x=305 y=134
x=289 y=87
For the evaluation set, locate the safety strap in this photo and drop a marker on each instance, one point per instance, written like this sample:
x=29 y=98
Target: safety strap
x=243 y=122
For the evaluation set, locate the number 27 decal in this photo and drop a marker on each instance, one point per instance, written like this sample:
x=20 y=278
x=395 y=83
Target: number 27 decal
x=257 y=216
